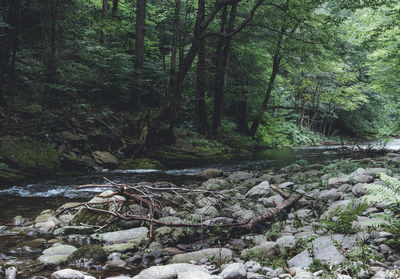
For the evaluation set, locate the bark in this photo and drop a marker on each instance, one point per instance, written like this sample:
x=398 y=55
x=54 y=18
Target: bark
x=174 y=47
x=139 y=47
x=201 y=79
x=115 y=6
x=302 y=110
x=103 y=39
x=48 y=23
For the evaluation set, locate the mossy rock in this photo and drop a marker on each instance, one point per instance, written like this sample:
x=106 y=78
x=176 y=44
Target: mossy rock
x=71 y=162
x=29 y=155
x=144 y=163
x=91 y=251
x=8 y=175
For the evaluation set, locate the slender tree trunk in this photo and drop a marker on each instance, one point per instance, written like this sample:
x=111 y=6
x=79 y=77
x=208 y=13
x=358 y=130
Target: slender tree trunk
x=139 y=50
x=103 y=39
x=48 y=22
x=175 y=37
x=201 y=77
x=115 y=6
x=303 y=104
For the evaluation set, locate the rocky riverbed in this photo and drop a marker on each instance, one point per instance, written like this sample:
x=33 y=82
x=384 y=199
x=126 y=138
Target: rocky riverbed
x=330 y=232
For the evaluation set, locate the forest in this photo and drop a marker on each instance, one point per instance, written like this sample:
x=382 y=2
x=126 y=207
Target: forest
x=265 y=73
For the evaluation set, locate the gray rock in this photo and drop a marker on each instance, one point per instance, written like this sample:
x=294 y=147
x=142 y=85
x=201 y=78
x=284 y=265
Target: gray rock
x=301 y=274
x=335 y=206
x=210 y=173
x=18 y=220
x=238 y=176
x=234 y=271
x=215 y=254
x=374 y=171
x=46 y=222
x=57 y=254
x=301 y=214
x=301 y=260
x=73 y=230
x=131 y=235
x=67 y=274
x=206 y=201
x=105 y=159
x=215 y=184
x=362 y=178
x=244 y=214
x=335 y=182
x=344 y=188
x=286 y=185
x=252 y=266
x=170 y=271
x=286 y=242
x=384 y=274
x=359 y=190
x=332 y=195
x=262 y=189
x=209 y=211
x=271 y=201
x=11 y=272
x=194 y=275
x=326 y=251
x=266 y=249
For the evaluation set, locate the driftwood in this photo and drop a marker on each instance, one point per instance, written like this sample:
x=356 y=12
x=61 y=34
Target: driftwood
x=149 y=196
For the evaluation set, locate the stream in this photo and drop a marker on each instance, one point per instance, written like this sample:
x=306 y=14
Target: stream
x=30 y=199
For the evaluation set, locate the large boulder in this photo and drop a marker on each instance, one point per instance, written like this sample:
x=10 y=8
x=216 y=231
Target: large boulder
x=266 y=249
x=29 y=156
x=234 y=271
x=105 y=159
x=56 y=255
x=261 y=190
x=67 y=274
x=132 y=235
x=220 y=255
x=171 y=271
x=239 y=176
x=94 y=252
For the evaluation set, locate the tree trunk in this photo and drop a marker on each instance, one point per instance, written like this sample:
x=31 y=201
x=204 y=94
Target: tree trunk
x=222 y=73
x=48 y=22
x=303 y=104
x=115 y=6
x=174 y=47
x=139 y=47
x=103 y=39
x=201 y=78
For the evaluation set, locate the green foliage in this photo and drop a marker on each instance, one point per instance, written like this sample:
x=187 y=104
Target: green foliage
x=345 y=166
x=340 y=220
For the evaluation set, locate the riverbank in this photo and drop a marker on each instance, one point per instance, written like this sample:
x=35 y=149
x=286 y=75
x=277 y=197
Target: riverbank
x=330 y=232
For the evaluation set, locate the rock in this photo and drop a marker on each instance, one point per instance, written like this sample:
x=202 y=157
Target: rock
x=206 y=201
x=46 y=222
x=215 y=184
x=239 y=176
x=67 y=274
x=143 y=163
x=234 y=271
x=94 y=252
x=301 y=274
x=68 y=136
x=57 y=254
x=262 y=189
x=374 y=171
x=271 y=201
x=285 y=242
x=332 y=195
x=286 y=185
x=244 y=215
x=384 y=274
x=170 y=271
x=252 y=266
x=359 y=190
x=219 y=220
x=335 y=182
x=220 y=255
x=301 y=214
x=29 y=155
x=209 y=211
x=11 y=272
x=362 y=178
x=123 y=247
x=66 y=230
x=210 y=173
x=121 y=277
x=18 y=220
x=131 y=235
x=266 y=249
x=105 y=159
x=194 y=275
x=335 y=206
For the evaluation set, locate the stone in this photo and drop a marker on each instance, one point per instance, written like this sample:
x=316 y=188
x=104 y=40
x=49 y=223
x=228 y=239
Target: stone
x=301 y=274
x=359 y=190
x=67 y=274
x=169 y=271
x=234 y=271
x=207 y=201
x=266 y=249
x=210 y=173
x=252 y=266
x=286 y=185
x=272 y=201
x=29 y=155
x=384 y=274
x=335 y=182
x=18 y=220
x=123 y=247
x=209 y=211
x=262 y=189
x=285 y=242
x=46 y=222
x=374 y=171
x=220 y=255
x=301 y=260
x=94 y=252
x=330 y=195
x=239 y=176
x=194 y=275
x=131 y=235
x=362 y=178
x=73 y=230
x=105 y=159
x=215 y=184
x=244 y=215
x=56 y=255
x=301 y=214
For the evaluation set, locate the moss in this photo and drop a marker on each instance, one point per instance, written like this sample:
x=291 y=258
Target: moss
x=144 y=163
x=73 y=163
x=91 y=251
x=30 y=156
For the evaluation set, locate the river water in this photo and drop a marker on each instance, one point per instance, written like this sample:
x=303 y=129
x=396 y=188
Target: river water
x=29 y=200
